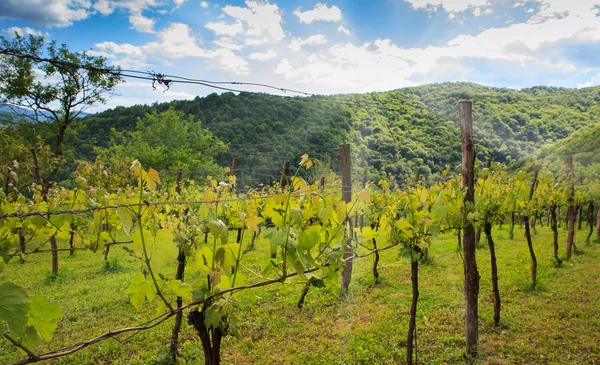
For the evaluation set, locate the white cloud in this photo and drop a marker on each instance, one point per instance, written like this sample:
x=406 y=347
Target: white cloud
x=100 y=54
x=595 y=81
x=320 y=13
x=450 y=6
x=176 y=41
x=225 y=59
x=341 y=29
x=103 y=7
x=228 y=43
x=50 y=13
x=141 y=23
x=130 y=63
x=178 y=3
x=314 y=40
x=122 y=49
x=204 y=4
x=162 y=11
x=222 y=28
x=262 y=19
x=263 y=56
x=382 y=65
x=10 y=32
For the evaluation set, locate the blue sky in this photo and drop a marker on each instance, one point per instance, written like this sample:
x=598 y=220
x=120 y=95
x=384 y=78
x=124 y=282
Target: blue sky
x=339 y=46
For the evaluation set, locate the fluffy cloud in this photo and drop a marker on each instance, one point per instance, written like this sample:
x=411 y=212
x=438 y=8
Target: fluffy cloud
x=263 y=56
x=382 y=65
x=341 y=29
x=141 y=23
x=320 y=13
x=451 y=6
x=204 y=4
x=178 y=3
x=222 y=28
x=228 y=43
x=176 y=41
x=50 y=13
x=10 y=32
x=314 y=40
x=262 y=19
x=119 y=49
x=595 y=81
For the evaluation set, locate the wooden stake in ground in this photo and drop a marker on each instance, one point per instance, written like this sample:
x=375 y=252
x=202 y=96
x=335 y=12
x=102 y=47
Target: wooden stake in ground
x=471 y=284
x=179 y=276
x=528 y=232
x=590 y=220
x=571 y=209
x=346 y=172
x=285 y=175
x=234 y=168
x=53 y=243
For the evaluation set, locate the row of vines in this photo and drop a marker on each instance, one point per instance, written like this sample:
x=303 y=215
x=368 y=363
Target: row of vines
x=315 y=232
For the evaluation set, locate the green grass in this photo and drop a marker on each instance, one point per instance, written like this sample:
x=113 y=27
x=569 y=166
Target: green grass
x=556 y=323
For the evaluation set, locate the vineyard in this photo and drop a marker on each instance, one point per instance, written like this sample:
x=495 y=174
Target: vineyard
x=123 y=268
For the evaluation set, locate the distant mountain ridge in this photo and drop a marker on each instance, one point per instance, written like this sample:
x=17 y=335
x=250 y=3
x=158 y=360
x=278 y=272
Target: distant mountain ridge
x=17 y=111
x=400 y=131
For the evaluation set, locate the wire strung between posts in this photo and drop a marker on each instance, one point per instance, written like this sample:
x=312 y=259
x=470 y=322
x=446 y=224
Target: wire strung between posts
x=147 y=204
x=168 y=80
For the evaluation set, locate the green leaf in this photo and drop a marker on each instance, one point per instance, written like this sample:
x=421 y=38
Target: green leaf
x=309 y=238
x=43 y=315
x=218 y=230
x=30 y=337
x=315 y=281
x=212 y=317
x=161 y=249
x=2 y=265
x=140 y=288
x=181 y=289
x=204 y=259
x=126 y=217
x=14 y=305
x=225 y=256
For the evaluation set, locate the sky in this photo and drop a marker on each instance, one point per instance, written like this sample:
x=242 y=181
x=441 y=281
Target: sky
x=338 y=46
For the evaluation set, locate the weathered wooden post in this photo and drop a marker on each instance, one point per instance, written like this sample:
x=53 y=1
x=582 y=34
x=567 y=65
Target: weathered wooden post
x=285 y=175
x=38 y=178
x=571 y=208
x=346 y=172
x=471 y=283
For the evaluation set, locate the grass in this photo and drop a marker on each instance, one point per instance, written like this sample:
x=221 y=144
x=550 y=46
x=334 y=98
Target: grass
x=557 y=322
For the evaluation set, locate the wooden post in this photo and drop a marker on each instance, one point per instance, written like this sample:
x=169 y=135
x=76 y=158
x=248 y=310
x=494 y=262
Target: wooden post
x=571 y=208
x=285 y=175
x=598 y=225
x=234 y=168
x=53 y=244
x=322 y=184
x=525 y=220
x=178 y=182
x=179 y=276
x=471 y=283
x=346 y=172
x=580 y=208
x=364 y=185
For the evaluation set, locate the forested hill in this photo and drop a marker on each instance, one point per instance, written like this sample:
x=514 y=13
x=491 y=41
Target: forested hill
x=402 y=131
x=583 y=145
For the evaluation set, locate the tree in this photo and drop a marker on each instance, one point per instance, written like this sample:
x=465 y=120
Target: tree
x=72 y=82
x=169 y=141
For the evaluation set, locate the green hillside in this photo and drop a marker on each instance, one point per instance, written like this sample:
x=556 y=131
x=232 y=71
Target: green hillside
x=401 y=131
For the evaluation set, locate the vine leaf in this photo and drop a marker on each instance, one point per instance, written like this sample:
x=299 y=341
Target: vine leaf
x=41 y=322
x=140 y=289
x=181 y=289
x=14 y=305
x=126 y=217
